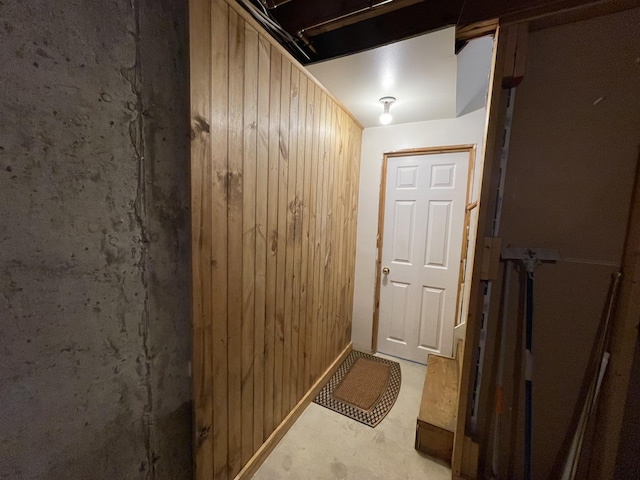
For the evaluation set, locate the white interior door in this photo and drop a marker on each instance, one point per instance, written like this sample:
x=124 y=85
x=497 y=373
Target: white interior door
x=424 y=213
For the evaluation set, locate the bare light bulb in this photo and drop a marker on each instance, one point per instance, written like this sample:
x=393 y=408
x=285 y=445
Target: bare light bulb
x=385 y=118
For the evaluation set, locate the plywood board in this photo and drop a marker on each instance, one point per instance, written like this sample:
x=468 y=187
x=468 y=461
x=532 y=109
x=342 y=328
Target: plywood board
x=439 y=402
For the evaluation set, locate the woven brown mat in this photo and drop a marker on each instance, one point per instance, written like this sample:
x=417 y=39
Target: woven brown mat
x=363 y=388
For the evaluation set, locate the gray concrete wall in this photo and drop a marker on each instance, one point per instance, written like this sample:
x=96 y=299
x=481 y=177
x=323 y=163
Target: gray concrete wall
x=94 y=260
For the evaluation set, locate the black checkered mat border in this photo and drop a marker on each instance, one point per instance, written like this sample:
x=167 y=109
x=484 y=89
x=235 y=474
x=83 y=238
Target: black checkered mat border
x=380 y=410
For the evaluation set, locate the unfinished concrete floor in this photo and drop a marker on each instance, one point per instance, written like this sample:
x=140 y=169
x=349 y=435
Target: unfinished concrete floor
x=325 y=445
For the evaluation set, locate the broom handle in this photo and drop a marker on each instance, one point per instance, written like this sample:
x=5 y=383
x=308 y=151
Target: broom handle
x=499 y=401
x=592 y=397
x=528 y=373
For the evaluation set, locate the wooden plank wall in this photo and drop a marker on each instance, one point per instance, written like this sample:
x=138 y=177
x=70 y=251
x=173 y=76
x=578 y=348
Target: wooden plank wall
x=274 y=177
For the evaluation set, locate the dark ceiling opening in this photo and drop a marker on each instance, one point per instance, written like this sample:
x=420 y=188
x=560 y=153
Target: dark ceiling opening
x=314 y=30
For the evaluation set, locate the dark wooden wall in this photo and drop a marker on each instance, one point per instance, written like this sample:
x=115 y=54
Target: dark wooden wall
x=274 y=177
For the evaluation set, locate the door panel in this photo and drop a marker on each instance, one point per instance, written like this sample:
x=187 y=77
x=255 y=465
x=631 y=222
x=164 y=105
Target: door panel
x=407 y=177
x=403 y=232
x=398 y=327
x=424 y=213
x=438 y=233
x=431 y=307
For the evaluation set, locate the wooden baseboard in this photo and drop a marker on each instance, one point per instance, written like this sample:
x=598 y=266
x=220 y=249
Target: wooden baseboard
x=267 y=447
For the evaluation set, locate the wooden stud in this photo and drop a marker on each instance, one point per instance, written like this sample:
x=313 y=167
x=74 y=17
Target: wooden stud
x=521 y=52
x=476 y=30
x=490 y=264
x=515 y=60
x=491 y=149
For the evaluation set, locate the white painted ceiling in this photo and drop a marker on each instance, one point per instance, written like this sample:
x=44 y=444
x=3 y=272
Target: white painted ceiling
x=420 y=72
x=428 y=80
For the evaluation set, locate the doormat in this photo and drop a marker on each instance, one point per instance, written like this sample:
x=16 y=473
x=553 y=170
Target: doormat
x=363 y=388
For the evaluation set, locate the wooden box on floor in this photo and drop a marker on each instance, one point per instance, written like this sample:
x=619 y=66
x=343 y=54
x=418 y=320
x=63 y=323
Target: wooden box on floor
x=438 y=409
x=437 y=418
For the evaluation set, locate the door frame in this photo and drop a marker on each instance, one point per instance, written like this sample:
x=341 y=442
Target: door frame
x=471 y=149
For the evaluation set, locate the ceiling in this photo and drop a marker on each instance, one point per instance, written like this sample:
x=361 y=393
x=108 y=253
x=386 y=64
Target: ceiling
x=420 y=72
x=316 y=30
x=429 y=81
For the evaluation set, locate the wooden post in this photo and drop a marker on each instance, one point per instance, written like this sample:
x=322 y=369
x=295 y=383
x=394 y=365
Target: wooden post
x=489 y=183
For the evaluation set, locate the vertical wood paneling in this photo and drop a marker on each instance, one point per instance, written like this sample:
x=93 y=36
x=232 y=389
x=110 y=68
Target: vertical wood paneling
x=272 y=228
x=297 y=327
x=289 y=242
x=338 y=287
x=305 y=329
x=335 y=245
x=218 y=212
x=249 y=228
x=325 y=232
x=283 y=182
x=235 y=209
x=202 y=365
x=318 y=285
x=354 y=172
x=262 y=233
x=274 y=188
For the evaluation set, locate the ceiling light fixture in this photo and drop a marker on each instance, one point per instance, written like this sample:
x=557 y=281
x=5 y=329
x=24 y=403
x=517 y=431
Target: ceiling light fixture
x=385 y=118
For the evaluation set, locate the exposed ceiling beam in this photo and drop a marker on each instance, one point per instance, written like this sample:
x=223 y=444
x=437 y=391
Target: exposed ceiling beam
x=475 y=30
x=332 y=28
x=273 y=3
x=565 y=10
x=407 y=22
x=302 y=14
x=381 y=7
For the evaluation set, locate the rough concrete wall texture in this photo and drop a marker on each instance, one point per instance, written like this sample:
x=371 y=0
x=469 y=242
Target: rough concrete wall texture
x=94 y=260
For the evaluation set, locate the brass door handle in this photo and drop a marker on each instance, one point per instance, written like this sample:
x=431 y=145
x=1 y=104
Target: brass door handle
x=385 y=270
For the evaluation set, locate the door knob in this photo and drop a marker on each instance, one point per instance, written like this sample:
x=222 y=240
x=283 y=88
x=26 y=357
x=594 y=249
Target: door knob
x=385 y=270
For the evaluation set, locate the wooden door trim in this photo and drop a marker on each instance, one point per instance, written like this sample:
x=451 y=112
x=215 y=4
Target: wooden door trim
x=465 y=231
x=383 y=188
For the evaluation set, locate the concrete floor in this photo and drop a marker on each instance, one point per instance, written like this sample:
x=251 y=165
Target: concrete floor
x=325 y=445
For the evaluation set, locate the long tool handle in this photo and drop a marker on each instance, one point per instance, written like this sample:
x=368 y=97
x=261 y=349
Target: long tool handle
x=528 y=375
x=499 y=405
